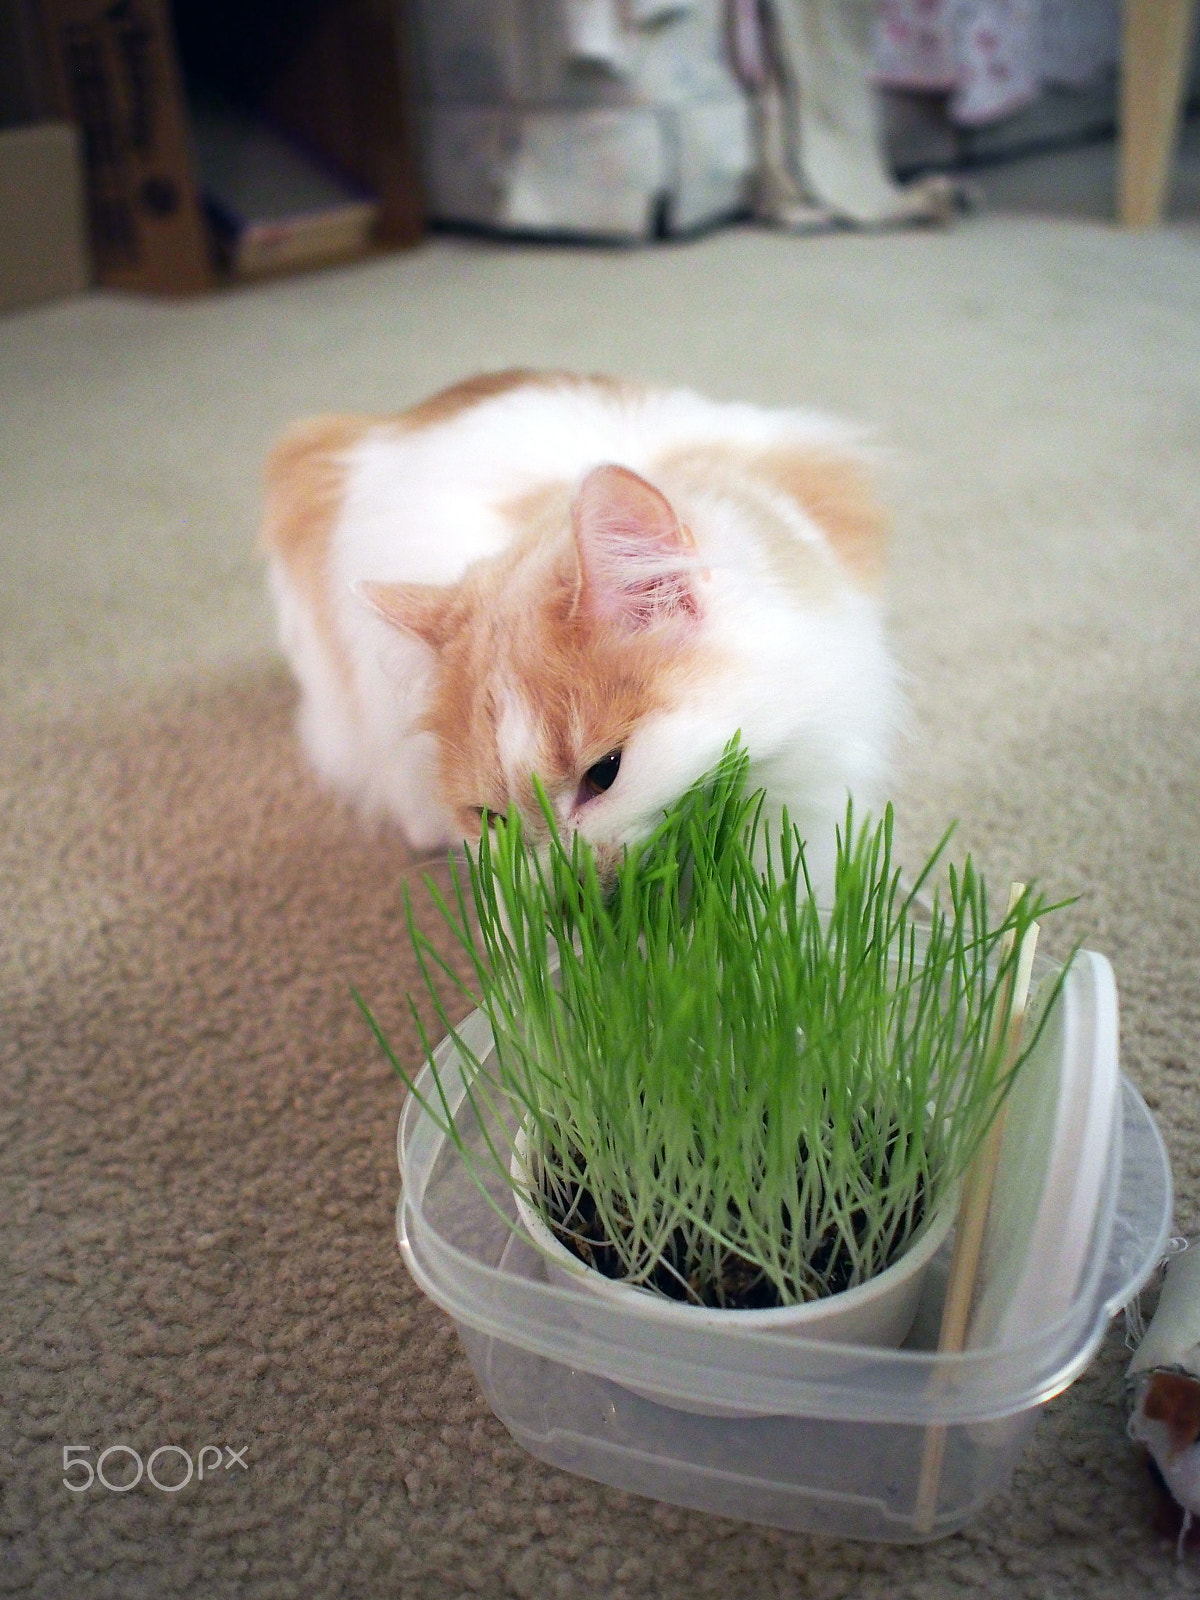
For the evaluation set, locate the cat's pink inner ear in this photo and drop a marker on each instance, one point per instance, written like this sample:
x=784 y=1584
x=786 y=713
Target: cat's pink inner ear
x=636 y=558
x=417 y=608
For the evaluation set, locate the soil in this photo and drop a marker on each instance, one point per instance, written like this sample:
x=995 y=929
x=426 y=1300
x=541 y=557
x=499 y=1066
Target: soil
x=742 y=1285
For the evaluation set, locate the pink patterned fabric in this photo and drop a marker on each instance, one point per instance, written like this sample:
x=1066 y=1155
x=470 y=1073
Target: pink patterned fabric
x=993 y=56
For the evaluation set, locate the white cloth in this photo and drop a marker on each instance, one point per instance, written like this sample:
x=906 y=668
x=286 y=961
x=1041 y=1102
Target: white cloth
x=820 y=147
x=993 y=56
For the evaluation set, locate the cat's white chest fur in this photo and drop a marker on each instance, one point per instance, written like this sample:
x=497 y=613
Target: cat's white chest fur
x=582 y=580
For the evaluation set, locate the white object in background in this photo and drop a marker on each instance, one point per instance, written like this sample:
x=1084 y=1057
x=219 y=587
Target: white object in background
x=1173 y=1337
x=644 y=13
x=602 y=118
x=593 y=30
x=712 y=143
x=558 y=171
x=994 y=56
x=820 y=141
x=1166 y=1373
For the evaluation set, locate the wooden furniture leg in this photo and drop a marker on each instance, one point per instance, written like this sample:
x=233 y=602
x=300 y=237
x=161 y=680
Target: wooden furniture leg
x=1153 y=62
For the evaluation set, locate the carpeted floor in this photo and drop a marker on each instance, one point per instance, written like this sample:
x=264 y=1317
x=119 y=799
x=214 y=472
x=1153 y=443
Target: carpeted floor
x=197 y=1148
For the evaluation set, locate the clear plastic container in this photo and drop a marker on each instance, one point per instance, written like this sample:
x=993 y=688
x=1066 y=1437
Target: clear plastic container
x=834 y=1436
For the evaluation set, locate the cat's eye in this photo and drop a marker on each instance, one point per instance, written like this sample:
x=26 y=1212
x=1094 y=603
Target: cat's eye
x=486 y=815
x=600 y=776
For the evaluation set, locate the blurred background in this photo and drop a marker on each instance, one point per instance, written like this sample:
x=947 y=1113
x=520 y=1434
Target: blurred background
x=177 y=146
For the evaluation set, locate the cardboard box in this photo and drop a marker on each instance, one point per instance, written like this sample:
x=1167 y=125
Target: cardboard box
x=114 y=69
x=43 y=243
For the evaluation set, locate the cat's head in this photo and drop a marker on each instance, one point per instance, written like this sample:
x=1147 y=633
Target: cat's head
x=573 y=655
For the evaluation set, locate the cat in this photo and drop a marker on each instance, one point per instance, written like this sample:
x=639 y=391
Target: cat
x=590 y=581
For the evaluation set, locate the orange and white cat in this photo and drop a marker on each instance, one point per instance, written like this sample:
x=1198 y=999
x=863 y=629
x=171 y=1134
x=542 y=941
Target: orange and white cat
x=593 y=582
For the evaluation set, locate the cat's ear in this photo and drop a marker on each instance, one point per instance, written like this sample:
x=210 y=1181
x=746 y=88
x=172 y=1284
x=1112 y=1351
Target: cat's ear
x=421 y=609
x=637 y=561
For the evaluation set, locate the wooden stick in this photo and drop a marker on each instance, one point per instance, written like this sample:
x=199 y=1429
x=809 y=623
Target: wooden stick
x=1154 y=53
x=972 y=1215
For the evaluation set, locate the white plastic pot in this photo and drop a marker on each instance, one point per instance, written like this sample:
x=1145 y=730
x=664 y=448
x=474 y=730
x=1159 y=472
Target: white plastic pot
x=879 y=1312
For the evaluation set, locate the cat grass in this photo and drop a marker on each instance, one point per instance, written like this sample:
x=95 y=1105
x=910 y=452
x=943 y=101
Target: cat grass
x=731 y=1094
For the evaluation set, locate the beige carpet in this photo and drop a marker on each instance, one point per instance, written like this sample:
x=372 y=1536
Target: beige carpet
x=197 y=1135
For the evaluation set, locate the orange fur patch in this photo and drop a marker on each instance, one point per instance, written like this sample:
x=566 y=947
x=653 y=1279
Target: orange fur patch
x=837 y=493
x=421 y=608
x=541 y=513
x=306 y=477
x=459 y=397
x=834 y=490
x=515 y=633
